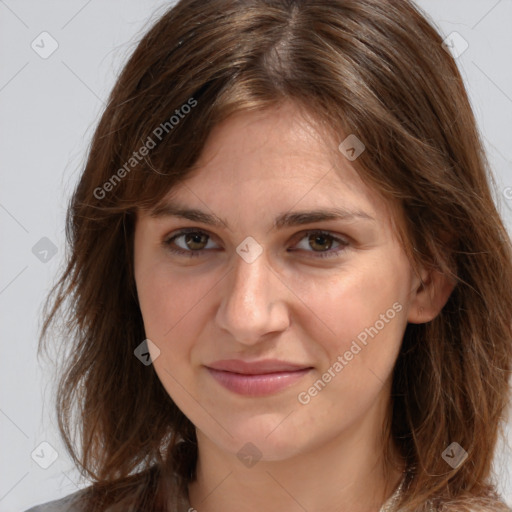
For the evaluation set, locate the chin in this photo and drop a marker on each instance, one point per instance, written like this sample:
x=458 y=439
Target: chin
x=266 y=437
x=265 y=447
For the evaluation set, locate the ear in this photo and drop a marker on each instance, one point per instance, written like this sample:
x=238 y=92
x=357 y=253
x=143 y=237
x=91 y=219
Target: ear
x=430 y=293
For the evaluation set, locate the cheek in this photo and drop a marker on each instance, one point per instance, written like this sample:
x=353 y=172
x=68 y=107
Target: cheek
x=174 y=310
x=362 y=314
x=367 y=315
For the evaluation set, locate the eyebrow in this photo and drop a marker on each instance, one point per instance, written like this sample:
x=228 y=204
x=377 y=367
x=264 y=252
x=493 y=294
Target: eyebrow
x=284 y=220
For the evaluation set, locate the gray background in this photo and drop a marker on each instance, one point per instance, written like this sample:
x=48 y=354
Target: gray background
x=49 y=108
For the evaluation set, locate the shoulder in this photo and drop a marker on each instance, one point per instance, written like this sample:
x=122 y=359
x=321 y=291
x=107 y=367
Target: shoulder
x=70 y=503
x=79 y=500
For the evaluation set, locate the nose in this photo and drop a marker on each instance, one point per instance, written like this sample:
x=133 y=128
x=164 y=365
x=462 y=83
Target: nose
x=253 y=301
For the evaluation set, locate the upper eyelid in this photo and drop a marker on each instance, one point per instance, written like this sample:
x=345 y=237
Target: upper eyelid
x=185 y=231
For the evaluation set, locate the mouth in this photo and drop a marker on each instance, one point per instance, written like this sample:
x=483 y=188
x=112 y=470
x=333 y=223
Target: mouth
x=257 y=378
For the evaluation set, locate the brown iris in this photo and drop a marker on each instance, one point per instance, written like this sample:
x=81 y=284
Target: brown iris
x=195 y=238
x=320 y=240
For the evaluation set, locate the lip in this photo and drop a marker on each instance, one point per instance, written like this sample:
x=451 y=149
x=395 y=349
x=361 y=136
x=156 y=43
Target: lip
x=256 y=378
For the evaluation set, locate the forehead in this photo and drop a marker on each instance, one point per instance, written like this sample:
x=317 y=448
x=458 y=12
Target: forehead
x=274 y=161
x=279 y=143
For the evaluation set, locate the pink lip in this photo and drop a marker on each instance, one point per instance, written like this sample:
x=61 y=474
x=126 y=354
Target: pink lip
x=256 y=378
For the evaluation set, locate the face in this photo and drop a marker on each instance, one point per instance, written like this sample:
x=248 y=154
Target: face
x=270 y=322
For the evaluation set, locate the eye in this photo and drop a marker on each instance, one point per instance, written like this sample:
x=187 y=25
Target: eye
x=191 y=242
x=321 y=242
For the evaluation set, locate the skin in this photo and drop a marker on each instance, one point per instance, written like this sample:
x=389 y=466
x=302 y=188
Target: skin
x=288 y=304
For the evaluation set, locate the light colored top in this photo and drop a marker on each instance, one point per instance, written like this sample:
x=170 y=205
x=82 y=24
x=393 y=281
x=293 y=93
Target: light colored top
x=71 y=503
x=66 y=504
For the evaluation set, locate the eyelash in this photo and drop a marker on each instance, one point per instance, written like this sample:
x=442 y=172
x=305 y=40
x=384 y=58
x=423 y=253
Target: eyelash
x=195 y=253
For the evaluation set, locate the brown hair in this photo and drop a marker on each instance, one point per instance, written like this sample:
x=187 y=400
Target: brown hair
x=374 y=68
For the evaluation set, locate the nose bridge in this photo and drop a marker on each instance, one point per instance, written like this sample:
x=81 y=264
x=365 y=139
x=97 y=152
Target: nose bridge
x=252 y=304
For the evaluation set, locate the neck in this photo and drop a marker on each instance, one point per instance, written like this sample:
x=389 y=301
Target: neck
x=344 y=474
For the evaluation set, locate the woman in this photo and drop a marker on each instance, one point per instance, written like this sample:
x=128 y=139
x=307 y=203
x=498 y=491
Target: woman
x=288 y=286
